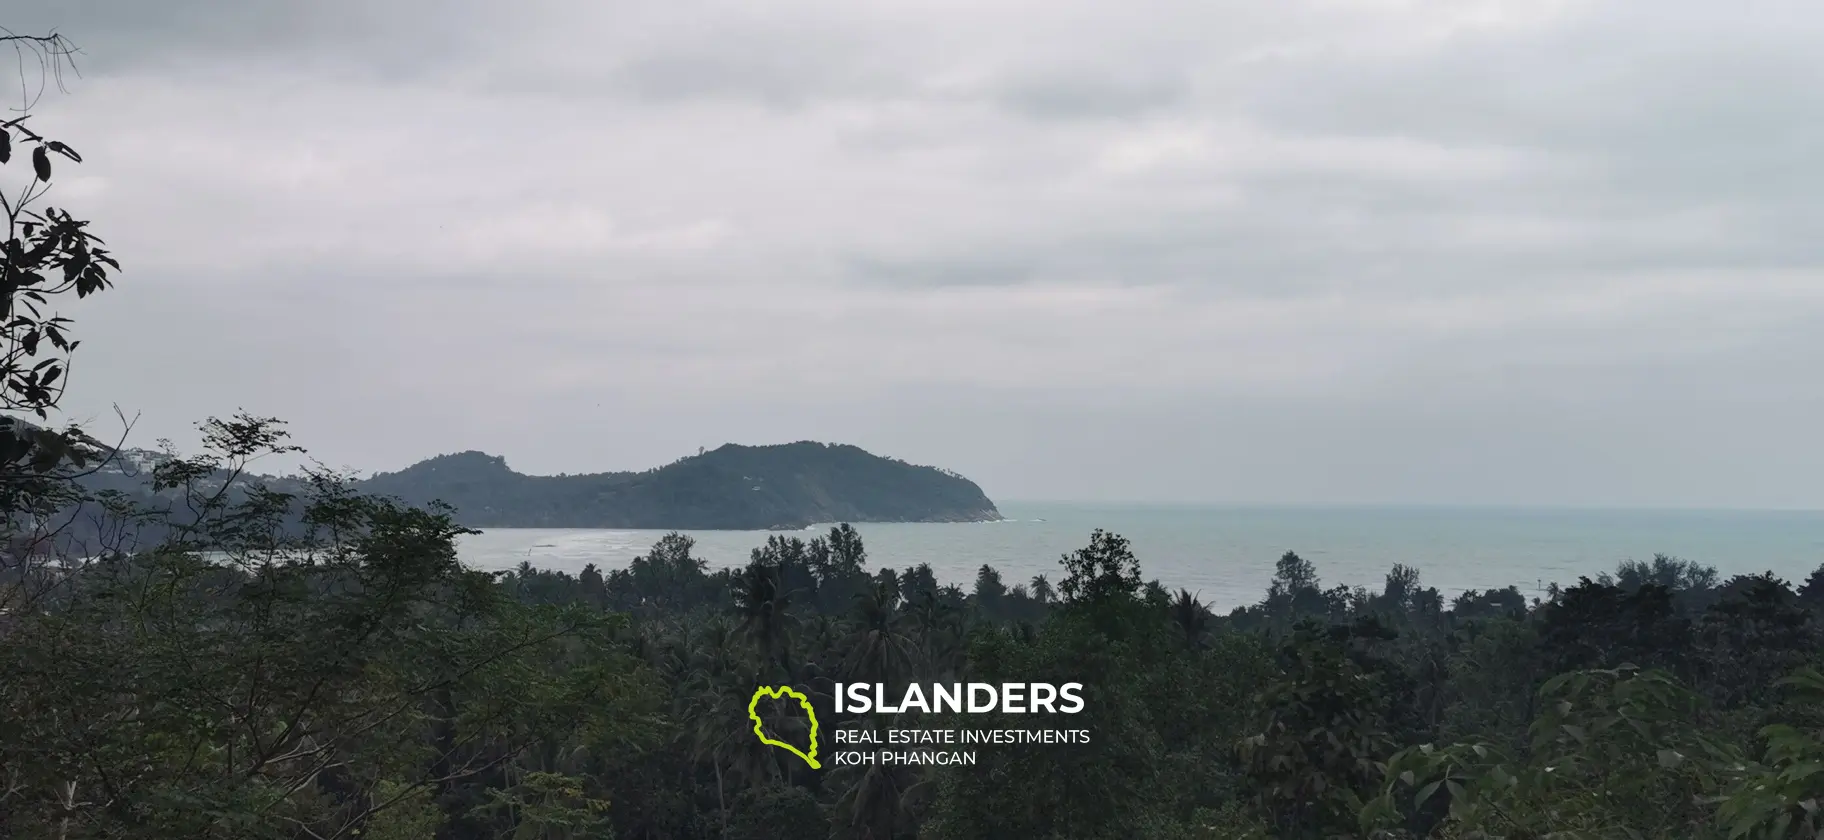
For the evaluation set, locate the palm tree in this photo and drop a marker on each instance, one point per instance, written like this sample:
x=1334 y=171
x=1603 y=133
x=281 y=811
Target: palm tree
x=1042 y=590
x=880 y=650
x=715 y=683
x=761 y=602
x=822 y=635
x=1192 y=619
x=847 y=552
x=938 y=627
x=716 y=725
x=876 y=806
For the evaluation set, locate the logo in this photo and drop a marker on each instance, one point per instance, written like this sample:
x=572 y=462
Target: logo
x=753 y=713
x=972 y=698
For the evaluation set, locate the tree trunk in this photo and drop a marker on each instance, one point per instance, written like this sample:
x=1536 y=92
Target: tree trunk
x=721 y=798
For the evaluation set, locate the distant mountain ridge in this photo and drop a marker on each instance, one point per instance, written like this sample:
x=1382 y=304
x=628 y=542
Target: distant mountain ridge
x=732 y=487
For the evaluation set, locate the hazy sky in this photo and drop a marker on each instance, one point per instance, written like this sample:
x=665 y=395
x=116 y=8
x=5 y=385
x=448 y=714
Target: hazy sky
x=1354 y=251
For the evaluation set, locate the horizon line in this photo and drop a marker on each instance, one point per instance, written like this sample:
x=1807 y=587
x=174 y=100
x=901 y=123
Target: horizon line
x=1369 y=506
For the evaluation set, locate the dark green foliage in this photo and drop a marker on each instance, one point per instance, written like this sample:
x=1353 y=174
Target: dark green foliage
x=1321 y=734
x=1495 y=603
x=989 y=590
x=1670 y=573
x=1613 y=753
x=182 y=695
x=1105 y=570
x=1294 y=593
x=613 y=704
x=778 y=812
x=1601 y=625
x=666 y=579
x=1755 y=633
x=1812 y=593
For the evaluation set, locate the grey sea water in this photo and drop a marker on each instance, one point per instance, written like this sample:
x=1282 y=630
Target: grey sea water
x=1227 y=553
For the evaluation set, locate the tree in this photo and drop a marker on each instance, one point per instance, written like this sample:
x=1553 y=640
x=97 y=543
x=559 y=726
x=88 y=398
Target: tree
x=778 y=812
x=1291 y=575
x=1614 y=753
x=320 y=663
x=1812 y=592
x=1671 y=573
x=595 y=587
x=1042 y=590
x=1402 y=584
x=1097 y=790
x=1473 y=603
x=1779 y=796
x=1102 y=571
x=761 y=600
x=1755 y=634
x=1192 y=619
x=877 y=805
x=668 y=576
x=881 y=651
x=917 y=580
x=46 y=254
x=1318 y=741
x=989 y=589
x=1596 y=625
x=846 y=549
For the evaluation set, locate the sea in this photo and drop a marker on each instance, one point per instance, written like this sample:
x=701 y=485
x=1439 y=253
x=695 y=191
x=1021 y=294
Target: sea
x=1226 y=555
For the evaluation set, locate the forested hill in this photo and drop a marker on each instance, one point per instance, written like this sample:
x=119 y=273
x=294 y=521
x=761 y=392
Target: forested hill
x=733 y=487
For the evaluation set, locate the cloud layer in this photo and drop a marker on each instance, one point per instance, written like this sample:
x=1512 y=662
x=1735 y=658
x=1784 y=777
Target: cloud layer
x=1308 y=251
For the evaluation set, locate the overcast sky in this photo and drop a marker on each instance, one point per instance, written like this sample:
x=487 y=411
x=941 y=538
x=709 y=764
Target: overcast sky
x=1350 y=251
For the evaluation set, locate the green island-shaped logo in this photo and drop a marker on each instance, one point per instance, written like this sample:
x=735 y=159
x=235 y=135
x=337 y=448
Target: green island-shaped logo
x=753 y=713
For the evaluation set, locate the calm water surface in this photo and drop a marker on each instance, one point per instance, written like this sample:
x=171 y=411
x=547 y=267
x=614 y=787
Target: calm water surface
x=1227 y=554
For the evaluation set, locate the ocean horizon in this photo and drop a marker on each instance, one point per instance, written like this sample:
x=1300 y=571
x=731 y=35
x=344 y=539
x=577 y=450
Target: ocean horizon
x=1226 y=553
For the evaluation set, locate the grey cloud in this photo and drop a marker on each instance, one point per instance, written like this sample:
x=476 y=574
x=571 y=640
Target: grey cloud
x=1486 y=251
x=394 y=41
x=1095 y=93
x=991 y=268
x=1673 y=105
x=782 y=78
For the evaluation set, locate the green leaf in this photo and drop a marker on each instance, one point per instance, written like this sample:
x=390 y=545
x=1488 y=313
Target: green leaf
x=1669 y=758
x=1418 y=800
x=1801 y=772
x=1501 y=777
